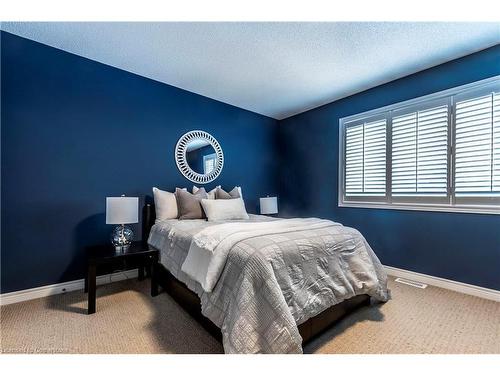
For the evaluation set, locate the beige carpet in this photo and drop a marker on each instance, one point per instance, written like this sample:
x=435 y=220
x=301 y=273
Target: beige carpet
x=128 y=320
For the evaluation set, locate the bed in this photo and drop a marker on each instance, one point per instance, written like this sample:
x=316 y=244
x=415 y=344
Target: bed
x=272 y=284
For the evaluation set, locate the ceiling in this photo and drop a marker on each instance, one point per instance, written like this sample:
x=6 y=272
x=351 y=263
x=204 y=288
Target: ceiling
x=195 y=144
x=276 y=69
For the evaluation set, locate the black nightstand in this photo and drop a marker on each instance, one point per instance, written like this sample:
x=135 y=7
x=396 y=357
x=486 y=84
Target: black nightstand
x=137 y=255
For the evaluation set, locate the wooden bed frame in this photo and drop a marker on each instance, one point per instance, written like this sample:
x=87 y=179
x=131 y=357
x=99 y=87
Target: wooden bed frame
x=192 y=304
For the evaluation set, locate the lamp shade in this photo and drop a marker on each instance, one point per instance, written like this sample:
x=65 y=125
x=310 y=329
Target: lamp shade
x=122 y=210
x=268 y=205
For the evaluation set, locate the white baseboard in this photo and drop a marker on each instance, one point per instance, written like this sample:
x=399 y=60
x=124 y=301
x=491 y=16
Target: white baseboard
x=48 y=290
x=456 y=286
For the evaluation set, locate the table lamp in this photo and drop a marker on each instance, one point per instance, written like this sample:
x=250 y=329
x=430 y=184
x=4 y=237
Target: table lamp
x=122 y=210
x=268 y=205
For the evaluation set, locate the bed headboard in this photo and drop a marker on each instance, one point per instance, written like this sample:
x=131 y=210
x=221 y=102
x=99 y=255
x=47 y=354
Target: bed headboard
x=148 y=218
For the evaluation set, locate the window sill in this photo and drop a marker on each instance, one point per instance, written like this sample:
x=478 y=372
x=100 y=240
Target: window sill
x=491 y=210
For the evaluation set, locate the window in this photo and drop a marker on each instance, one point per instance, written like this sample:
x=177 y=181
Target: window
x=420 y=153
x=209 y=163
x=477 y=149
x=439 y=152
x=366 y=158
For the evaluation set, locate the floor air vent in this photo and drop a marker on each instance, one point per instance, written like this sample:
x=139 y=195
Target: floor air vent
x=416 y=284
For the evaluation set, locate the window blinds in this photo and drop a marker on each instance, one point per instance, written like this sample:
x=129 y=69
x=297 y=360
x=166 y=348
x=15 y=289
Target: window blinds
x=420 y=153
x=354 y=160
x=441 y=151
x=374 y=158
x=365 y=159
x=477 y=146
x=496 y=142
x=404 y=154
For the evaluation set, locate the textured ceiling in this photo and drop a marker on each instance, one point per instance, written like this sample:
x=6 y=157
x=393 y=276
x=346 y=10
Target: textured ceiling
x=276 y=69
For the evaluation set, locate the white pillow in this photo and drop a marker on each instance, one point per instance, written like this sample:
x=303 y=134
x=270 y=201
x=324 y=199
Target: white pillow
x=211 y=193
x=224 y=209
x=165 y=204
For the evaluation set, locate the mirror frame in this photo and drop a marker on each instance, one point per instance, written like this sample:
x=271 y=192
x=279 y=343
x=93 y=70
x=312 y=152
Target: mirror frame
x=181 y=157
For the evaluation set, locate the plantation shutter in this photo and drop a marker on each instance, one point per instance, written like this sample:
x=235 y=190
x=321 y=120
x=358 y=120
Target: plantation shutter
x=477 y=146
x=354 y=160
x=365 y=158
x=374 y=158
x=404 y=154
x=496 y=142
x=420 y=153
x=438 y=152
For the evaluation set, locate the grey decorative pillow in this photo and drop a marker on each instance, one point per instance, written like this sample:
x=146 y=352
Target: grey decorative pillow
x=211 y=193
x=222 y=194
x=189 y=204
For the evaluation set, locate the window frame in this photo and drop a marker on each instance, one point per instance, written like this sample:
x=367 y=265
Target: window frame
x=473 y=200
x=365 y=120
x=207 y=158
x=422 y=199
x=422 y=203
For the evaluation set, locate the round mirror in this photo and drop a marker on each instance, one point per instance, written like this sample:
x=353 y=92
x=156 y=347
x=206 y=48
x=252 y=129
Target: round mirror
x=199 y=156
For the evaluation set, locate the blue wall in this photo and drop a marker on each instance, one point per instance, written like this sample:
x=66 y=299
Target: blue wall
x=462 y=247
x=75 y=131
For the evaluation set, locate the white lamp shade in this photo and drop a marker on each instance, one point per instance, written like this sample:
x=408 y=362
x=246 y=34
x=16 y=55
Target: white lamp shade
x=122 y=210
x=268 y=205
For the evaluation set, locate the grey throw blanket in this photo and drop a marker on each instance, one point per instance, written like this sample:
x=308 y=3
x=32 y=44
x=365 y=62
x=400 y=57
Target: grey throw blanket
x=272 y=282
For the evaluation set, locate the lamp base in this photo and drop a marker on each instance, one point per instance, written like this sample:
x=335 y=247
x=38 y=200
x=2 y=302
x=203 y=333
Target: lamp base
x=121 y=237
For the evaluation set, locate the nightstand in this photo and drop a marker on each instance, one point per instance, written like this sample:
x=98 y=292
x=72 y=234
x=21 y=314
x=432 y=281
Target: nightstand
x=137 y=255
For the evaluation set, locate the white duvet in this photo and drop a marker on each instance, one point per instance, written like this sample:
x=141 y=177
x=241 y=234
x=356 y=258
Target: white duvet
x=210 y=247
